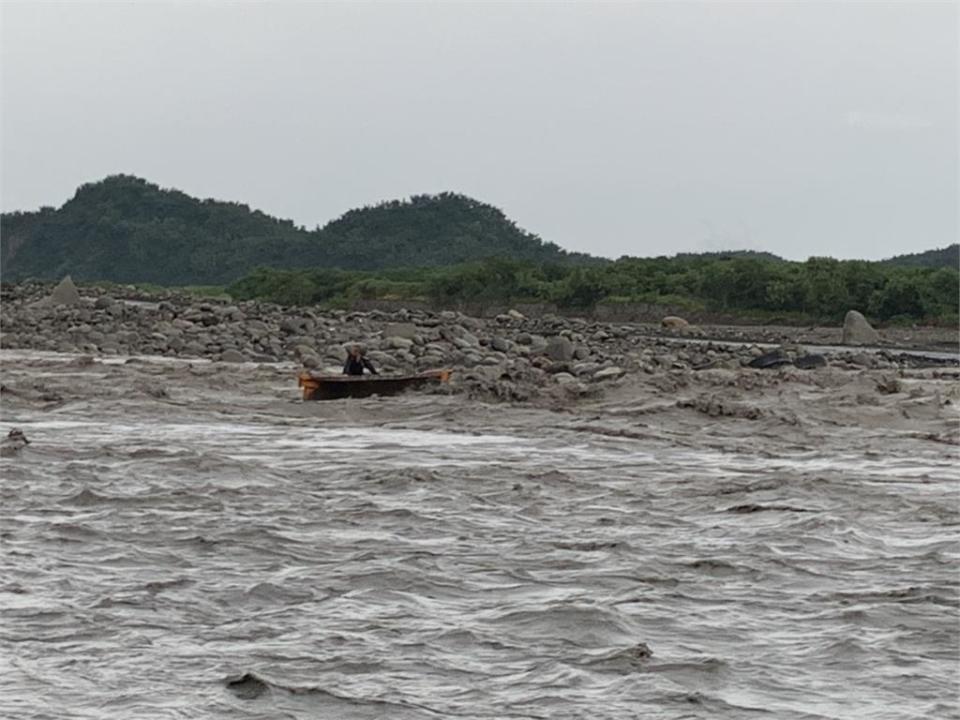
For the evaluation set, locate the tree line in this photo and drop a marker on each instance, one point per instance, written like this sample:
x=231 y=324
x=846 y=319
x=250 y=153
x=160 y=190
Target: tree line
x=819 y=289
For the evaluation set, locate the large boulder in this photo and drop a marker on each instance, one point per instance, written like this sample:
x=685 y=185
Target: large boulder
x=857 y=331
x=65 y=293
x=559 y=349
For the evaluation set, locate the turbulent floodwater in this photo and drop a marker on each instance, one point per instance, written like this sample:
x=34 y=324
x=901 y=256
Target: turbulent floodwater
x=181 y=543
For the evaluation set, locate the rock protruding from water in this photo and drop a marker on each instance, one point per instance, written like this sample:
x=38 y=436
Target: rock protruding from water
x=770 y=360
x=247 y=687
x=14 y=443
x=65 y=293
x=559 y=349
x=857 y=331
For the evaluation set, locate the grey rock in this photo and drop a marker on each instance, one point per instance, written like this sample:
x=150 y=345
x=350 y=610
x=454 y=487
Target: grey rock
x=608 y=373
x=857 y=331
x=500 y=344
x=585 y=368
x=559 y=349
x=407 y=331
x=398 y=343
x=65 y=293
x=308 y=360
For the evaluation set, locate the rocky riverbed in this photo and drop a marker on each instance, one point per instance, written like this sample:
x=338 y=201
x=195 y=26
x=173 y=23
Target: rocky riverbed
x=508 y=357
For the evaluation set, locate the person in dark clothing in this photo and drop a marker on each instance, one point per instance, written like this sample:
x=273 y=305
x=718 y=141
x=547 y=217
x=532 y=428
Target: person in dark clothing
x=356 y=362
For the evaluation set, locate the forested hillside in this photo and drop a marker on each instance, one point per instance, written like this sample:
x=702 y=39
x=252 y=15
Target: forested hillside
x=944 y=257
x=125 y=229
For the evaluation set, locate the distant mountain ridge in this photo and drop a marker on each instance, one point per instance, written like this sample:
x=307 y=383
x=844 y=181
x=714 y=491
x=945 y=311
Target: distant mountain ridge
x=125 y=229
x=942 y=257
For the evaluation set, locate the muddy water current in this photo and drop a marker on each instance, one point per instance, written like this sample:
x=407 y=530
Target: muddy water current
x=179 y=544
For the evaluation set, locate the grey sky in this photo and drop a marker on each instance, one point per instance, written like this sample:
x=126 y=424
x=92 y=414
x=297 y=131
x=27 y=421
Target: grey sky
x=621 y=128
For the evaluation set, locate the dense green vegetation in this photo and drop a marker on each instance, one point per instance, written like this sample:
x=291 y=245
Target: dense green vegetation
x=124 y=229
x=446 y=249
x=819 y=289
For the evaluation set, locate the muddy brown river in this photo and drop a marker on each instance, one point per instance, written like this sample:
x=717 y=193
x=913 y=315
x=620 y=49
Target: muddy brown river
x=190 y=540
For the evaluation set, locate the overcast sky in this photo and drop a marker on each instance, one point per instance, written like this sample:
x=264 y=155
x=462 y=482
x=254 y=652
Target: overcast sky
x=639 y=128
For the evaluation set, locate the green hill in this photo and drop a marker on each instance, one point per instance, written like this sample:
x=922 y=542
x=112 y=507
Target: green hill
x=730 y=255
x=125 y=229
x=948 y=257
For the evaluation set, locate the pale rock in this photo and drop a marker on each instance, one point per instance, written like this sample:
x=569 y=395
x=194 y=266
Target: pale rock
x=407 y=331
x=398 y=343
x=608 y=373
x=673 y=322
x=857 y=331
x=586 y=368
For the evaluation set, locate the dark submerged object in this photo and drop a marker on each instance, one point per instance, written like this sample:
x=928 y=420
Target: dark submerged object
x=771 y=360
x=809 y=362
x=335 y=387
